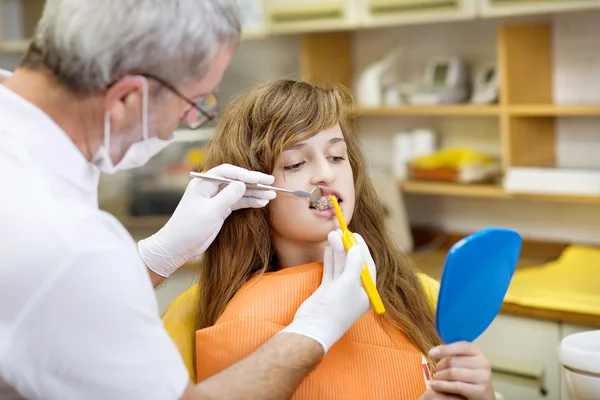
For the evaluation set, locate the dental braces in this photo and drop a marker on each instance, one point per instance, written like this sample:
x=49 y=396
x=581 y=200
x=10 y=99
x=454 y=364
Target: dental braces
x=323 y=204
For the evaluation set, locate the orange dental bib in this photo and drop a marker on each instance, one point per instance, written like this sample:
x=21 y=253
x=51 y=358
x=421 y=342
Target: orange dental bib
x=368 y=362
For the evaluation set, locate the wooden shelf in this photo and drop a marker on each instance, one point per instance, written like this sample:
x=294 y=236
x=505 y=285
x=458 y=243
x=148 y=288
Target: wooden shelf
x=558 y=198
x=465 y=110
x=553 y=315
x=552 y=110
x=454 y=189
x=487 y=191
x=460 y=110
x=440 y=110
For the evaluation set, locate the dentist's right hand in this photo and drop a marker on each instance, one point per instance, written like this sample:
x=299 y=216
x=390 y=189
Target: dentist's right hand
x=199 y=217
x=340 y=300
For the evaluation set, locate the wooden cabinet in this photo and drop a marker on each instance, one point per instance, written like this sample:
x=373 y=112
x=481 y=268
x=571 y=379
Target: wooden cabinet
x=401 y=12
x=292 y=16
x=524 y=7
x=524 y=356
x=18 y=17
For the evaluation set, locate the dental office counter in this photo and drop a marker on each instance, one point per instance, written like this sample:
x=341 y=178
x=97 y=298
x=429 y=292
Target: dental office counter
x=432 y=263
x=521 y=343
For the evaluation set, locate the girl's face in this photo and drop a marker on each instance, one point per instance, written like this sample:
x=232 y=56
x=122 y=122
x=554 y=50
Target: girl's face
x=321 y=160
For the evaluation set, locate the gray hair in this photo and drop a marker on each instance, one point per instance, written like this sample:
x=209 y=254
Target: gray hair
x=88 y=44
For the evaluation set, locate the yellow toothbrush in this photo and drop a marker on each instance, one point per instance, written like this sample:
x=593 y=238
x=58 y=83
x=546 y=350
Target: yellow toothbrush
x=349 y=240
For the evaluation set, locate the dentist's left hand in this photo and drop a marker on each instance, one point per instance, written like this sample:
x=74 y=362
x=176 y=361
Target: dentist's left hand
x=200 y=216
x=340 y=300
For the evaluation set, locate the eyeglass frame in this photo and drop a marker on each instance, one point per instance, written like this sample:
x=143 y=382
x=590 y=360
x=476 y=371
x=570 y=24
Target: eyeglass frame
x=192 y=103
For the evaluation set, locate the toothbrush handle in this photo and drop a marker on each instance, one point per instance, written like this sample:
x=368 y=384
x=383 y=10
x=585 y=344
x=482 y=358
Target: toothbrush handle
x=349 y=240
x=371 y=289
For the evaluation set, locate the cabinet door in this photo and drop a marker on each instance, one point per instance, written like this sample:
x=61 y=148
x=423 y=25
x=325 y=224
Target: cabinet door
x=525 y=7
x=398 y=12
x=569 y=329
x=522 y=352
x=293 y=16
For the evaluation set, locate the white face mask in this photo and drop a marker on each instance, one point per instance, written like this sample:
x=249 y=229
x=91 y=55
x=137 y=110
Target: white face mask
x=139 y=153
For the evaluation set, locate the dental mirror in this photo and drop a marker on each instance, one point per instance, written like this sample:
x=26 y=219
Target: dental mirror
x=475 y=279
x=315 y=194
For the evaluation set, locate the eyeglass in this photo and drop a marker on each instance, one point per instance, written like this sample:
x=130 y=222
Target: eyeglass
x=200 y=113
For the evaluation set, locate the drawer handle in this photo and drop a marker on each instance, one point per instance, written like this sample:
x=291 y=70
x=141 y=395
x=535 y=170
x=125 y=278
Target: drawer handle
x=316 y=12
x=520 y=369
x=407 y=6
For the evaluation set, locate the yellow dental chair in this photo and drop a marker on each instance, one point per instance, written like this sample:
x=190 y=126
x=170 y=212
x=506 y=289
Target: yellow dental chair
x=180 y=319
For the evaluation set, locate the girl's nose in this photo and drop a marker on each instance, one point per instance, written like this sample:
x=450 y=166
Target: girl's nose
x=323 y=174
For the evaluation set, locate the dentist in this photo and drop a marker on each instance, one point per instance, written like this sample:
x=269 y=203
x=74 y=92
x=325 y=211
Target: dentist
x=101 y=89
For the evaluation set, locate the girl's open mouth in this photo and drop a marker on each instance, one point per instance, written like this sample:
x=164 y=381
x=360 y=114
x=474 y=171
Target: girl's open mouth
x=324 y=203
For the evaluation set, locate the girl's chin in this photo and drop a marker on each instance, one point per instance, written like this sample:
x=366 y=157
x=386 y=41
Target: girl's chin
x=312 y=234
x=321 y=235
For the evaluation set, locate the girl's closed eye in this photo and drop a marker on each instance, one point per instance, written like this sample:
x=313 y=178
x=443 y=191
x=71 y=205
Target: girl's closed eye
x=294 y=167
x=336 y=159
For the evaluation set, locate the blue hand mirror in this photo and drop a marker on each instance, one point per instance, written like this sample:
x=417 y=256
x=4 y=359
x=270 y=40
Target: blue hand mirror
x=476 y=276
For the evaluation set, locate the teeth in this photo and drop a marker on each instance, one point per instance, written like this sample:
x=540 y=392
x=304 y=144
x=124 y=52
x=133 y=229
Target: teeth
x=324 y=203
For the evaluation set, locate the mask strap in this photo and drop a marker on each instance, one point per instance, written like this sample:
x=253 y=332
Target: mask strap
x=144 y=107
x=107 y=132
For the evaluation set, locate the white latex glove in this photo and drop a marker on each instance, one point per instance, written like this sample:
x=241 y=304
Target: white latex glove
x=340 y=300
x=199 y=217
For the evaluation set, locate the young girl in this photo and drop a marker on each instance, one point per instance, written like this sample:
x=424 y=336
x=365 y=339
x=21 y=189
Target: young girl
x=265 y=262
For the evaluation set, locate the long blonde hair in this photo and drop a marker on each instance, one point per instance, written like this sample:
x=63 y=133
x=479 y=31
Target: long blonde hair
x=253 y=131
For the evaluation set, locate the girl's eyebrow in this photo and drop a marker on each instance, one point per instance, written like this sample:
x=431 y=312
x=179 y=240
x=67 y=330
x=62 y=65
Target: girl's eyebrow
x=300 y=145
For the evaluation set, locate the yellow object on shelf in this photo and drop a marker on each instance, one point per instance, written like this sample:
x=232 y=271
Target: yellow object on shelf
x=571 y=283
x=456 y=158
x=195 y=157
x=349 y=240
